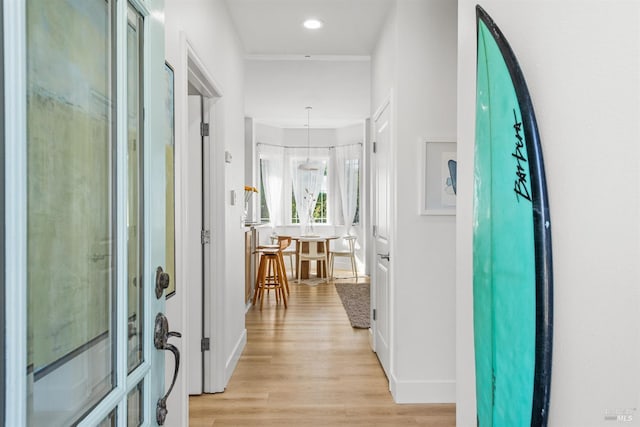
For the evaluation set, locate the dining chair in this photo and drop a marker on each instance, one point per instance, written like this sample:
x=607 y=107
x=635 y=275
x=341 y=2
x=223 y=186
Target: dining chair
x=349 y=252
x=317 y=251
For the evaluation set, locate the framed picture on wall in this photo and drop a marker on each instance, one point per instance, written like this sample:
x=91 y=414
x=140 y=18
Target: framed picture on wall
x=439 y=167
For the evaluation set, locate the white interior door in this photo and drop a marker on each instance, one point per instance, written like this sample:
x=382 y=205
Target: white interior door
x=382 y=234
x=91 y=215
x=194 y=244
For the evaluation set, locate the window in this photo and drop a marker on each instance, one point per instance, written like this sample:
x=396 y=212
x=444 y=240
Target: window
x=264 y=210
x=309 y=181
x=353 y=165
x=309 y=186
x=328 y=191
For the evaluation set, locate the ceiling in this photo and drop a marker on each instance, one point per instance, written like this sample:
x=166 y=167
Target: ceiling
x=274 y=27
x=289 y=67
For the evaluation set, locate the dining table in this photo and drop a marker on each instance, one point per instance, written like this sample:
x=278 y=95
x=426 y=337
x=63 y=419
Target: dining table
x=305 y=267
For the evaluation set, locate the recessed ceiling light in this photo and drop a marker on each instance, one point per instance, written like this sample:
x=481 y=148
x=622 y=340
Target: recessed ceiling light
x=313 y=24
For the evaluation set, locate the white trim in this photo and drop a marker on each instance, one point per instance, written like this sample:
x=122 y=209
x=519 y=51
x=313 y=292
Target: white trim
x=393 y=231
x=341 y=58
x=388 y=102
x=121 y=293
x=215 y=309
x=234 y=358
x=198 y=72
x=15 y=211
x=192 y=69
x=437 y=391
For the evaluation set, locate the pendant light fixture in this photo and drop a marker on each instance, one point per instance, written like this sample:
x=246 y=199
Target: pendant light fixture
x=309 y=165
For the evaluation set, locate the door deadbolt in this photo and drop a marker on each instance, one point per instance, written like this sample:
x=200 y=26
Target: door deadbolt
x=162 y=281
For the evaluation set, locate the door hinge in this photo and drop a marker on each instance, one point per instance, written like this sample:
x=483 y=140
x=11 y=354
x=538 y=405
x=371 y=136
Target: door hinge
x=375 y=230
x=374 y=147
x=204 y=129
x=374 y=314
x=205 y=344
x=205 y=237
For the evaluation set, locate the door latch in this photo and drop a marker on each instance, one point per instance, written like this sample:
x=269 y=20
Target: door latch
x=386 y=256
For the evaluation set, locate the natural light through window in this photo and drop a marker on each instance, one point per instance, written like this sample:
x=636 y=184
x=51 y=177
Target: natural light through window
x=306 y=187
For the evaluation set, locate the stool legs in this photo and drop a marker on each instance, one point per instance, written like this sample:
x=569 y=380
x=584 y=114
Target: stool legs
x=270 y=276
x=283 y=271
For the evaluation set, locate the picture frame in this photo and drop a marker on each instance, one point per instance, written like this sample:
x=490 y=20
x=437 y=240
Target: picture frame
x=170 y=176
x=439 y=177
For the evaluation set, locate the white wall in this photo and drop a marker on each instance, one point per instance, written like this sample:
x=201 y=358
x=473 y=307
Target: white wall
x=208 y=28
x=581 y=63
x=268 y=134
x=317 y=137
x=350 y=134
x=277 y=91
x=416 y=61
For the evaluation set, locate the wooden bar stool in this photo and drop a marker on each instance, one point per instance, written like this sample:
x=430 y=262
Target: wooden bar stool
x=283 y=243
x=270 y=276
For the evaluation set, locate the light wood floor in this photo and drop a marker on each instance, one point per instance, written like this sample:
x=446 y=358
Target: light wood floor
x=306 y=366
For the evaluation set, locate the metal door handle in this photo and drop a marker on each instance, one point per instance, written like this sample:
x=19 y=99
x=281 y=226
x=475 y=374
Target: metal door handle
x=385 y=256
x=161 y=334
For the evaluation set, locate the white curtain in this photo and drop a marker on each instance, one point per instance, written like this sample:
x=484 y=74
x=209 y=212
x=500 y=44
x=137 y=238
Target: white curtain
x=347 y=161
x=307 y=183
x=273 y=180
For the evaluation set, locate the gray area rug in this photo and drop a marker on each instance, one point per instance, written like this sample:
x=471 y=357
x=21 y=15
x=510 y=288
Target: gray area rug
x=356 y=301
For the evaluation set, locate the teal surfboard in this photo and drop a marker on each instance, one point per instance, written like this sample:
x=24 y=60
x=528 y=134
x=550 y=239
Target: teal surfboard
x=512 y=268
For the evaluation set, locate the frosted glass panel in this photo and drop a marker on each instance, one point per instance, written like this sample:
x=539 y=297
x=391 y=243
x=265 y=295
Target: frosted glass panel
x=110 y=421
x=71 y=247
x=134 y=188
x=134 y=407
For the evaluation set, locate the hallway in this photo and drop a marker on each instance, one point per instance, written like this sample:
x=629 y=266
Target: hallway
x=307 y=366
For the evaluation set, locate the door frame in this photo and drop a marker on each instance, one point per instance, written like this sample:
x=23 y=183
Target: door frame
x=3 y=347
x=193 y=70
x=15 y=109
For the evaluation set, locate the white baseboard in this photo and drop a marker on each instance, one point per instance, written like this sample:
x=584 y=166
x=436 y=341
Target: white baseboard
x=233 y=359
x=440 y=391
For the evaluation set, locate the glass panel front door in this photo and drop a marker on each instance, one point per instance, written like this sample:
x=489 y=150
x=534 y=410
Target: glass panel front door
x=95 y=212
x=71 y=224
